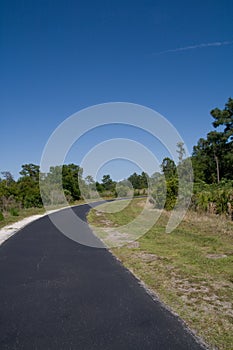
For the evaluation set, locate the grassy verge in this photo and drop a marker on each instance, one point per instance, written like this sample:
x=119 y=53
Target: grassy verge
x=190 y=270
x=21 y=214
x=24 y=213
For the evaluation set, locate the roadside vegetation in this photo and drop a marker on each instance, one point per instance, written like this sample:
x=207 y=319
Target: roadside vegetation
x=210 y=167
x=190 y=269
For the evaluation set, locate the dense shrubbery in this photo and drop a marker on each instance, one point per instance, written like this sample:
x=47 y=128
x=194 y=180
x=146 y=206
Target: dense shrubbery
x=25 y=192
x=214 y=198
x=212 y=163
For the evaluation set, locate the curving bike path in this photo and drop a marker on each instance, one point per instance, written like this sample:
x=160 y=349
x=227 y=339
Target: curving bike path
x=58 y=294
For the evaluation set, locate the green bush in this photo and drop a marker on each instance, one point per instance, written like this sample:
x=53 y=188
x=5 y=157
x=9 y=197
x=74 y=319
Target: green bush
x=165 y=193
x=14 y=212
x=213 y=198
x=1 y=216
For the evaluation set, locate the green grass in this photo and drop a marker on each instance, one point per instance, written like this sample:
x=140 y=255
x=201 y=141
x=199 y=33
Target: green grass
x=190 y=269
x=118 y=213
x=18 y=214
x=10 y=218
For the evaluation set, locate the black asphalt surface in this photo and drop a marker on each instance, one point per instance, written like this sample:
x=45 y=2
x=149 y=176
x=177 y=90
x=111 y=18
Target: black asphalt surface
x=58 y=294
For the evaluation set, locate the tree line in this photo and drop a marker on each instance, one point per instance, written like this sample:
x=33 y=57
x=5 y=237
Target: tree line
x=211 y=163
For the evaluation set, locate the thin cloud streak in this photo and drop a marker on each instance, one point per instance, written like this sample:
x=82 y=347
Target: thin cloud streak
x=193 y=47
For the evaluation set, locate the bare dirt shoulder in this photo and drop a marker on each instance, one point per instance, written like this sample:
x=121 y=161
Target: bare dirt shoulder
x=190 y=270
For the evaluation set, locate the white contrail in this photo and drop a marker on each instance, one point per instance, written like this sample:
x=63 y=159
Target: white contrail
x=199 y=46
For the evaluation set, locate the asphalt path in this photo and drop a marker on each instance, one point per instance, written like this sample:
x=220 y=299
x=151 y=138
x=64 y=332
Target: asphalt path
x=58 y=294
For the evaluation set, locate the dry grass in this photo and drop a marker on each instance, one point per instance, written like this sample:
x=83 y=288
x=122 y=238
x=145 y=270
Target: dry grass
x=190 y=270
x=24 y=213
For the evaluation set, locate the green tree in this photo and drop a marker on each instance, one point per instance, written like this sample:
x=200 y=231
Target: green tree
x=216 y=143
x=108 y=183
x=8 y=192
x=30 y=170
x=99 y=187
x=28 y=185
x=213 y=157
x=134 y=179
x=139 y=181
x=224 y=118
x=9 y=179
x=71 y=174
x=144 y=180
x=168 y=167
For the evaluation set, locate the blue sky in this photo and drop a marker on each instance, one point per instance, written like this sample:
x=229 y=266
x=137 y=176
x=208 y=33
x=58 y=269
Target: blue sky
x=58 y=57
